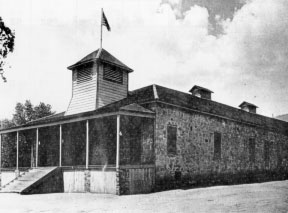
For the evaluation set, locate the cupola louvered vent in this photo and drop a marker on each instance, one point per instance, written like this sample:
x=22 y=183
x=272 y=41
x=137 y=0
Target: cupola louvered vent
x=84 y=75
x=112 y=73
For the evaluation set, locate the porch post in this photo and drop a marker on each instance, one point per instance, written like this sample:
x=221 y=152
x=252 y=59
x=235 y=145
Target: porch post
x=117 y=156
x=32 y=151
x=0 y=154
x=37 y=143
x=118 y=141
x=60 y=145
x=17 y=151
x=87 y=144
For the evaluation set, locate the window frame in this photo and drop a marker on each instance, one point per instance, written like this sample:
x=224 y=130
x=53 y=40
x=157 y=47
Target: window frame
x=252 y=149
x=266 y=153
x=171 y=142
x=279 y=154
x=217 y=155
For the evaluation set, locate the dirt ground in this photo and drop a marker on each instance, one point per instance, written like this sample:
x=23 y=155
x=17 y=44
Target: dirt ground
x=264 y=197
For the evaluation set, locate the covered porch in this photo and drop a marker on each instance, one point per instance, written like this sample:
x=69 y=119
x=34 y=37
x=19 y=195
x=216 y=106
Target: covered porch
x=110 y=152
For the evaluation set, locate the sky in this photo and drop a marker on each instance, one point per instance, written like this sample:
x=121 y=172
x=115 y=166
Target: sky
x=236 y=48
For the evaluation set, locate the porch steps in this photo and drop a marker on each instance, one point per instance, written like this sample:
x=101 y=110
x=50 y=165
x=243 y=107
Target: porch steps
x=29 y=180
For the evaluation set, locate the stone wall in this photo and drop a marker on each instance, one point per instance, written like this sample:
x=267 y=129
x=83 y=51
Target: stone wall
x=195 y=147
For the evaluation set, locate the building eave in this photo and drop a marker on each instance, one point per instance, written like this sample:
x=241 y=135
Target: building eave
x=97 y=60
x=73 y=118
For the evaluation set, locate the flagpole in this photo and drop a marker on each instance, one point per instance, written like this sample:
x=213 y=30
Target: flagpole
x=101 y=28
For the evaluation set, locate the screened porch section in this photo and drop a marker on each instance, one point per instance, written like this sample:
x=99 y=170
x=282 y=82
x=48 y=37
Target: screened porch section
x=102 y=142
x=136 y=141
x=89 y=143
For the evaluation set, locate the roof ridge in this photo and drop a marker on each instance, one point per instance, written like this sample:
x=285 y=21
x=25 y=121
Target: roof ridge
x=155 y=92
x=99 y=52
x=48 y=116
x=286 y=114
x=131 y=107
x=142 y=88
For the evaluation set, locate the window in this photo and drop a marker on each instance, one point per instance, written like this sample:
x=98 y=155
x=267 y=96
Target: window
x=252 y=150
x=266 y=153
x=217 y=145
x=279 y=154
x=171 y=140
x=84 y=75
x=112 y=73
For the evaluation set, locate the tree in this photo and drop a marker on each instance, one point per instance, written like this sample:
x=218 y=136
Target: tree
x=6 y=45
x=27 y=112
x=42 y=110
x=6 y=123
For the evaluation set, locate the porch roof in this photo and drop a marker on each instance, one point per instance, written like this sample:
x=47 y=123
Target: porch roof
x=120 y=107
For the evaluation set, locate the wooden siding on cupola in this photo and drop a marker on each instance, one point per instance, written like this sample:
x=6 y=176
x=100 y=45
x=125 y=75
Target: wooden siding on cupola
x=109 y=91
x=84 y=86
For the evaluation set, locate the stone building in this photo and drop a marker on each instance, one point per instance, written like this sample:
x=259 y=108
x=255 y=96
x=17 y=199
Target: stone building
x=112 y=140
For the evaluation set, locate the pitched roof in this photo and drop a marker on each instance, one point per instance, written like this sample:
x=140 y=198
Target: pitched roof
x=101 y=55
x=186 y=101
x=189 y=101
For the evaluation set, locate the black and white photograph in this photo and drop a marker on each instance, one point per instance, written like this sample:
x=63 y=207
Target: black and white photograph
x=143 y=106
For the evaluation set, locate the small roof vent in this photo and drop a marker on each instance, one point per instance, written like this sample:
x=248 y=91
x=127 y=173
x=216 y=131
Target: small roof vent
x=248 y=107
x=201 y=92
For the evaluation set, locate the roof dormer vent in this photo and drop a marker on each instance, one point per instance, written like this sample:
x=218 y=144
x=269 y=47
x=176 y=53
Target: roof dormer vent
x=248 y=107
x=201 y=92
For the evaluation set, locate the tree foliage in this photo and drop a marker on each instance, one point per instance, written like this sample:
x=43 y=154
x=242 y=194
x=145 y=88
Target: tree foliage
x=6 y=123
x=7 y=38
x=26 y=112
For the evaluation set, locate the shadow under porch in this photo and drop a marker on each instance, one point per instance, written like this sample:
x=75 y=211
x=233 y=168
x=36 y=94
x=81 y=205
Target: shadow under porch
x=112 y=154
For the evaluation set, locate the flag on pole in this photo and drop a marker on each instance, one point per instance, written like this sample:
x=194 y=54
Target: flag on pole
x=104 y=21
